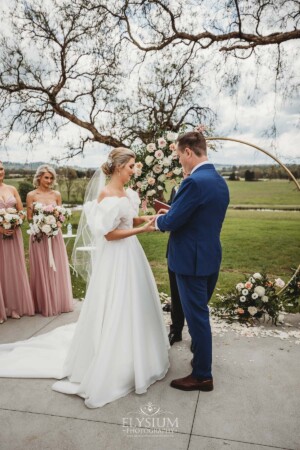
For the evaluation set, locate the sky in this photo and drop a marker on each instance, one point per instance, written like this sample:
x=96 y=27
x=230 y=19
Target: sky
x=247 y=114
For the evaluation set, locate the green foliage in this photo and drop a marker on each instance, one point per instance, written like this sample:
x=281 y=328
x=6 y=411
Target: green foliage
x=23 y=188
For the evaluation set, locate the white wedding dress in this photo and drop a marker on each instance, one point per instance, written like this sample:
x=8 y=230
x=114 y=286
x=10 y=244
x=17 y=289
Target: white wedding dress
x=119 y=343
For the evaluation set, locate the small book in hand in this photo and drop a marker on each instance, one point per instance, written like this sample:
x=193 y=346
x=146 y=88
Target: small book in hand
x=157 y=204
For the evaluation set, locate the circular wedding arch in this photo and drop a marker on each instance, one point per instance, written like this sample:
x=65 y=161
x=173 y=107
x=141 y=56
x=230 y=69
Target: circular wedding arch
x=219 y=138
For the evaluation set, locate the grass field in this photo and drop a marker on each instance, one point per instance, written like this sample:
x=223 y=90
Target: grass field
x=252 y=241
x=269 y=194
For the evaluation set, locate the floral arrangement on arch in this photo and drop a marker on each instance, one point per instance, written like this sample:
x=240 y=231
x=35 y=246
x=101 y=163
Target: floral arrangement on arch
x=156 y=163
x=10 y=218
x=47 y=219
x=254 y=298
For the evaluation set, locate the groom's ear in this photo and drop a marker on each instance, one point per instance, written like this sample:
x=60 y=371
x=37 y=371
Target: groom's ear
x=188 y=151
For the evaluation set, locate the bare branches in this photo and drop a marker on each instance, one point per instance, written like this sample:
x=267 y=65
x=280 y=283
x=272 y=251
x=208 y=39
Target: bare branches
x=164 y=25
x=56 y=69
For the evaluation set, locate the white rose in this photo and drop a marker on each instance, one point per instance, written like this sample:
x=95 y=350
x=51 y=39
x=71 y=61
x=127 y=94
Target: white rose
x=279 y=283
x=11 y=210
x=252 y=310
x=239 y=286
x=151 y=147
x=157 y=168
x=172 y=136
x=148 y=160
x=245 y=291
x=260 y=290
x=166 y=162
x=55 y=232
x=166 y=170
x=139 y=184
x=2 y=211
x=161 y=178
x=257 y=276
x=160 y=188
x=151 y=193
x=46 y=229
x=6 y=226
x=138 y=172
x=265 y=299
x=177 y=170
x=8 y=217
x=50 y=220
x=38 y=206
x=161 y=142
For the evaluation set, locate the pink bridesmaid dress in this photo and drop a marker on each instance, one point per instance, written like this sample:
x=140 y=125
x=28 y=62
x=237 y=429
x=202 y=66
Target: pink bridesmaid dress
x=2 y=307
x=50 y=286
x=14 y=285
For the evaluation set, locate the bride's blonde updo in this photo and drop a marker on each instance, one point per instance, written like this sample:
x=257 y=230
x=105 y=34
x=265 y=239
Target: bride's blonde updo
x=118 y=157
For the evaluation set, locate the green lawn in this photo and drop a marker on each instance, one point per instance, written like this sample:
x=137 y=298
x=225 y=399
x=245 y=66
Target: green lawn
x=269 y=193
x=252 y=240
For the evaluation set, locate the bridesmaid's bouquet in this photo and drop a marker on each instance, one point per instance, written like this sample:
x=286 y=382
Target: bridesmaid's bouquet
x=47 y=220
x=10 y=218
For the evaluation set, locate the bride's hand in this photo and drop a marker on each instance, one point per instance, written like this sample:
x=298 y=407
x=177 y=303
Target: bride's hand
x=149 y=225
x=146 y=218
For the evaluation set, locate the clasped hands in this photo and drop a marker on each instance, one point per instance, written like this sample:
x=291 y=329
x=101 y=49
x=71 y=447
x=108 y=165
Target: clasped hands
x=149 y=221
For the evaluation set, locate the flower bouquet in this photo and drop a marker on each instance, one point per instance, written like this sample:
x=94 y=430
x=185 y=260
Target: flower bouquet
x=255 y=297
x=10 y=218
x=46 y=221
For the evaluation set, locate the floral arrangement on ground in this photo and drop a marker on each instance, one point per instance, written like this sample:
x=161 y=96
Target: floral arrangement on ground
x=258 y=297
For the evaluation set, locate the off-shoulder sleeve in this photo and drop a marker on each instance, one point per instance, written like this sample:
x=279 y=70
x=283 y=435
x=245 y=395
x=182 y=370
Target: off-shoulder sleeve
x=134 y=200
x=102 y=217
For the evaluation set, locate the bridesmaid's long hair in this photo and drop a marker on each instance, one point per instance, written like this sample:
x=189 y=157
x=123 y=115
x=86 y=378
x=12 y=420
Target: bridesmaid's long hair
x=44 y=168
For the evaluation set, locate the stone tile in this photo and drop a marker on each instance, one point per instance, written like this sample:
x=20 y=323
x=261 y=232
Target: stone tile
x=256 y=396
x=25 y=431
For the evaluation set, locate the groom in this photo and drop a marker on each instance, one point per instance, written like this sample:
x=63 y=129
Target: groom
x=194 y=254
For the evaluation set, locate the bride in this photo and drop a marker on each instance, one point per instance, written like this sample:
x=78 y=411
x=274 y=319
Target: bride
x=119 y=343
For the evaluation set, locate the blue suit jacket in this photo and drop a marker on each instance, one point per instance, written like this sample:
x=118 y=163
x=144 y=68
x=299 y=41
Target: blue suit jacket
x=195 y=221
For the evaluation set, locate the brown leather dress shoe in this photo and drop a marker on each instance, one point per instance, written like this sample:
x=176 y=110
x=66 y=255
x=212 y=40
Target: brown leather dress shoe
x=190 y=383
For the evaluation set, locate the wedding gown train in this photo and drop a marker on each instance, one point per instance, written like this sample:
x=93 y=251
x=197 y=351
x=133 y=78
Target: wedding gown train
x=119 y=343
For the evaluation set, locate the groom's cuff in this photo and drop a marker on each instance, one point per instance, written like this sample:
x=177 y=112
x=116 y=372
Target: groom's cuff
x=156 y=226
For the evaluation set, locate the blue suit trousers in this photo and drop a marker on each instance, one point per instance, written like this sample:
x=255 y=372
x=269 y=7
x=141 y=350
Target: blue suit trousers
x=195 y=293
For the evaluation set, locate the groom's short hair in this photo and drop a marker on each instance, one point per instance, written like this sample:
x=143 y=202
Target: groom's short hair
x=193 y=140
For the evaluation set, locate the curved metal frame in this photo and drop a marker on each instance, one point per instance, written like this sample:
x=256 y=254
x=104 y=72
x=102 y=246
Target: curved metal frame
x=261 y=150
x=275 y=159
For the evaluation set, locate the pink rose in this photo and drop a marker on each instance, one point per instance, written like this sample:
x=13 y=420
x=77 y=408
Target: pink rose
x=248 y=285
x=151 y=181
x=49 y=208
x=172 y=147
x=159 y=154
x=62 y=218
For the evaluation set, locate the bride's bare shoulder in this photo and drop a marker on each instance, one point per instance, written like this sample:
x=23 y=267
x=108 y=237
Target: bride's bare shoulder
x=103 y=194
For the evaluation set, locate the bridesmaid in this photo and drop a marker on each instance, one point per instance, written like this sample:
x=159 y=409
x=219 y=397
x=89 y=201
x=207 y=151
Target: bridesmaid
x=51 y=289
x=15 y=296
